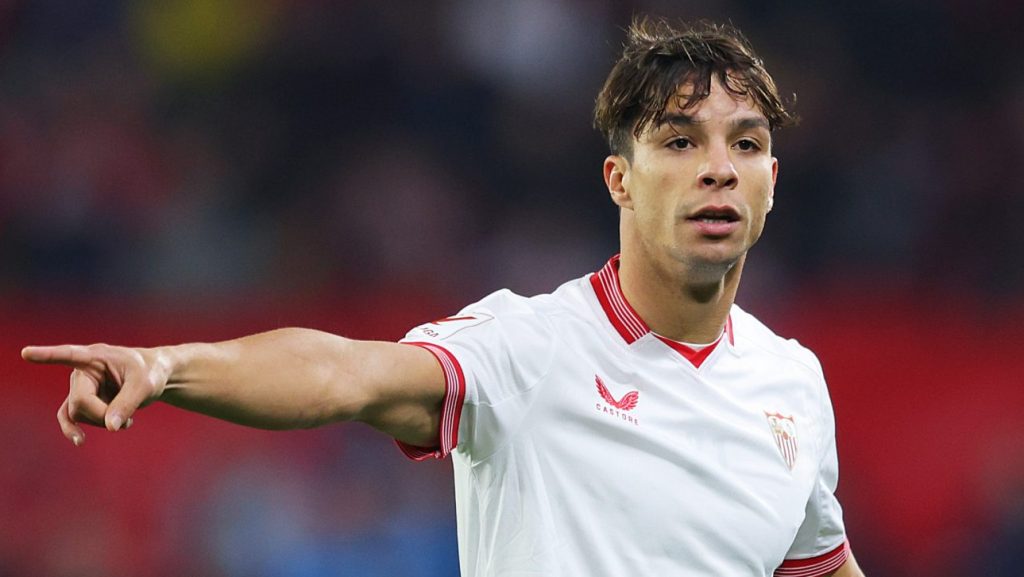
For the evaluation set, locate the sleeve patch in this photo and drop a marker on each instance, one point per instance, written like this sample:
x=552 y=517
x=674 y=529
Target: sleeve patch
x=441 y=329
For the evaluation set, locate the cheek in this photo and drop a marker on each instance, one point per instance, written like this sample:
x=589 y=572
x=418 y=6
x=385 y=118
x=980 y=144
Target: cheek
x=758 y=215
x=758 y=207
x=760 y=193
x=656 y=190
x=656 y=211
x=757 y=226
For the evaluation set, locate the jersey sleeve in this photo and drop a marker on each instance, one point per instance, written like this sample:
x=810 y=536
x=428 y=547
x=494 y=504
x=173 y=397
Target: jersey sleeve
x=820 y=546
x=492 y=353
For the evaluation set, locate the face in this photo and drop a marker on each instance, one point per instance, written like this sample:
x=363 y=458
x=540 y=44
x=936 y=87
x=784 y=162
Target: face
x=696 y=189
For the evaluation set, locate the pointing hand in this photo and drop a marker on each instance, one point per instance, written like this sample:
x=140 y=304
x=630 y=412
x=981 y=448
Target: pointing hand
x=108 y=384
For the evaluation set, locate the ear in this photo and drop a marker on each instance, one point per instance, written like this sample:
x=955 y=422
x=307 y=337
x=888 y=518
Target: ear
x=775 y=178
x=616 y=178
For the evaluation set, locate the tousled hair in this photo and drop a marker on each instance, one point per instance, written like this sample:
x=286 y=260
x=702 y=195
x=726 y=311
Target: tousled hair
x=660 y=57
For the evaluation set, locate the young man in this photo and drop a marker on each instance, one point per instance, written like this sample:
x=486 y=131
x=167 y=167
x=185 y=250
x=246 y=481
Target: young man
x=634 y=421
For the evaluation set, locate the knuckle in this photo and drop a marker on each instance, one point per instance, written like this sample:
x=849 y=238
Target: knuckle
x=151 y=385
x=98 y=354
x=136 y=357
x=75 y=380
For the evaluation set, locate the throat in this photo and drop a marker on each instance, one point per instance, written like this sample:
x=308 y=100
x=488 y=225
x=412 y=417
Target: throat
x=676 y=307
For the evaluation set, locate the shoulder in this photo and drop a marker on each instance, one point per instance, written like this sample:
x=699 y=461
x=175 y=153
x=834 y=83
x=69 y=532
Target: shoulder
x=533 y=314
x=756 y=337
x=798 y=369
x=521 y=326
x=506 y=343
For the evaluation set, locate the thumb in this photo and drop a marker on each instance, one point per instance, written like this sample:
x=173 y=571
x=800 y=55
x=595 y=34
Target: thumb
x=119 y=412
x=136 y=390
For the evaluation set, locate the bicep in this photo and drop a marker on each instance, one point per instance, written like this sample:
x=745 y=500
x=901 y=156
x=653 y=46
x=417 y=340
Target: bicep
x=403 y=388
x=848 y=569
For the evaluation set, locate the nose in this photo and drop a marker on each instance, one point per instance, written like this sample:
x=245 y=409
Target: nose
x=718 y=170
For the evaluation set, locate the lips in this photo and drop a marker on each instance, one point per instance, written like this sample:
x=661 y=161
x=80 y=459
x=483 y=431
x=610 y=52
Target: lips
x=715 y=221
x=715 y=214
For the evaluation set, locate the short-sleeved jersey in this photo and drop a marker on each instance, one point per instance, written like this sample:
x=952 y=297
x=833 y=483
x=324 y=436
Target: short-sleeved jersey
x=585 y=444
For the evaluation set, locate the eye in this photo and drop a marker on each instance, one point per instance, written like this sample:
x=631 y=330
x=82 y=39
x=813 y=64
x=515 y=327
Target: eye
x=748 y=145
x=680 y=143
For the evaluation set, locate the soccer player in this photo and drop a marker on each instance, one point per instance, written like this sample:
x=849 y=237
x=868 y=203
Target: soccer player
x=634 y=421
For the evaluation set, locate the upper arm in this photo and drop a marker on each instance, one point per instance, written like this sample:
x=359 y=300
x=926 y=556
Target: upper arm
x=847 y=569
x=402 y=388
x=484 y=357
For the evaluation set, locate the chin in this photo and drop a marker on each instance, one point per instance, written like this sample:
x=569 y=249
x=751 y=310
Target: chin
x=709 y=264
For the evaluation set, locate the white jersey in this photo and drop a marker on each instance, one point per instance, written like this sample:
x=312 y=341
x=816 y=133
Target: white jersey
x=586 y=445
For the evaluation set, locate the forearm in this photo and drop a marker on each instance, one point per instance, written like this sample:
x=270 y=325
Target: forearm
x=282 y=379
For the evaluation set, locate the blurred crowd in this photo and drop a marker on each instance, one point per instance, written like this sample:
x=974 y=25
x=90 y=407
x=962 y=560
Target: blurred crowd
x=222 y=147
x=217 y=151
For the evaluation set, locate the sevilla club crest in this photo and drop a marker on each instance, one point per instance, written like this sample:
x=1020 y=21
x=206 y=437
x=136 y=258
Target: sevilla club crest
x=784 y=430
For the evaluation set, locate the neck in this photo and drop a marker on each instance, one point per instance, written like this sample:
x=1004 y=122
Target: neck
x=676 y=301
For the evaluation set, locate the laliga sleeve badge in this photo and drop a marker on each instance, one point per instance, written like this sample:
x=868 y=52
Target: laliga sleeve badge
x=441 y=329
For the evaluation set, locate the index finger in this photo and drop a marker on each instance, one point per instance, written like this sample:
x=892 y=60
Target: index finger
x=73 y=355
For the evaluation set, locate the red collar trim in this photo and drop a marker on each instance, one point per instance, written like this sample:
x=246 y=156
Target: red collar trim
x=696 y=357
x=625 y=319
x=609 y=293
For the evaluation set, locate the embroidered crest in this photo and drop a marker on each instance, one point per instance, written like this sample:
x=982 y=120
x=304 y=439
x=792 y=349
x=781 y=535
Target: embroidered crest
x=784 y=430
x=626 y=403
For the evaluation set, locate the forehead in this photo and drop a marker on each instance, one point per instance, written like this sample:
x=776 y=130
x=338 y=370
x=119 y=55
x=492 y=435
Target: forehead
x=720 y=104
x=720 y=101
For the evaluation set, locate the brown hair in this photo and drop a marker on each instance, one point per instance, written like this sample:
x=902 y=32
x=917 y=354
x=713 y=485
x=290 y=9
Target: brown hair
x=659 y=58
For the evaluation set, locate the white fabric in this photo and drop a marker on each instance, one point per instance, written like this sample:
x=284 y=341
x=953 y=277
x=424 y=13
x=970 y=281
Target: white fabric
x=553 y=479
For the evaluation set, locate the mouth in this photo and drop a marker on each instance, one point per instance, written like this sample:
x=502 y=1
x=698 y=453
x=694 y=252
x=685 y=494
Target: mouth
x=715 y=222
x=715 y=215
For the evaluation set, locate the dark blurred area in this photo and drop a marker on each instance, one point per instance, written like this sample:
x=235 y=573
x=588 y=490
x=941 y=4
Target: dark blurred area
x=194 y=169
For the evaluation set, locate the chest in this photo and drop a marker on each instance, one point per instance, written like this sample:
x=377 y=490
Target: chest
x=721 y=459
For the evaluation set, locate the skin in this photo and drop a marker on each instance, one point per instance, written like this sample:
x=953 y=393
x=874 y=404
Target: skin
x=848 y=569
x=681 y=280
x=680 y=277
x=284 y=379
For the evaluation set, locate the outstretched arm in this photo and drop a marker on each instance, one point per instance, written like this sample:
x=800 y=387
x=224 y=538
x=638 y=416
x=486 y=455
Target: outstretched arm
x=282 y=379
x=848 y=569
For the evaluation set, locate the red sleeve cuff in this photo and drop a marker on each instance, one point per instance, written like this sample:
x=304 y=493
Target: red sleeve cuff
x=815 y=566
x=451 y=409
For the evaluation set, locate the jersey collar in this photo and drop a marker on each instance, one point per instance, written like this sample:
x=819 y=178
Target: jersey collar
x=628 y=323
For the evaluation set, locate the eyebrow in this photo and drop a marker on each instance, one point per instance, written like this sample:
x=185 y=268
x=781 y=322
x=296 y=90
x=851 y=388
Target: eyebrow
x=738 y=125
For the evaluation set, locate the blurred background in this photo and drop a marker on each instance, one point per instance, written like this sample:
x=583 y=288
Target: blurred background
x=181 y=170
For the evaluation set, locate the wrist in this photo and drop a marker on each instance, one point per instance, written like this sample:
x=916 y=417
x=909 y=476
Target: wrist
x=165 y=365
